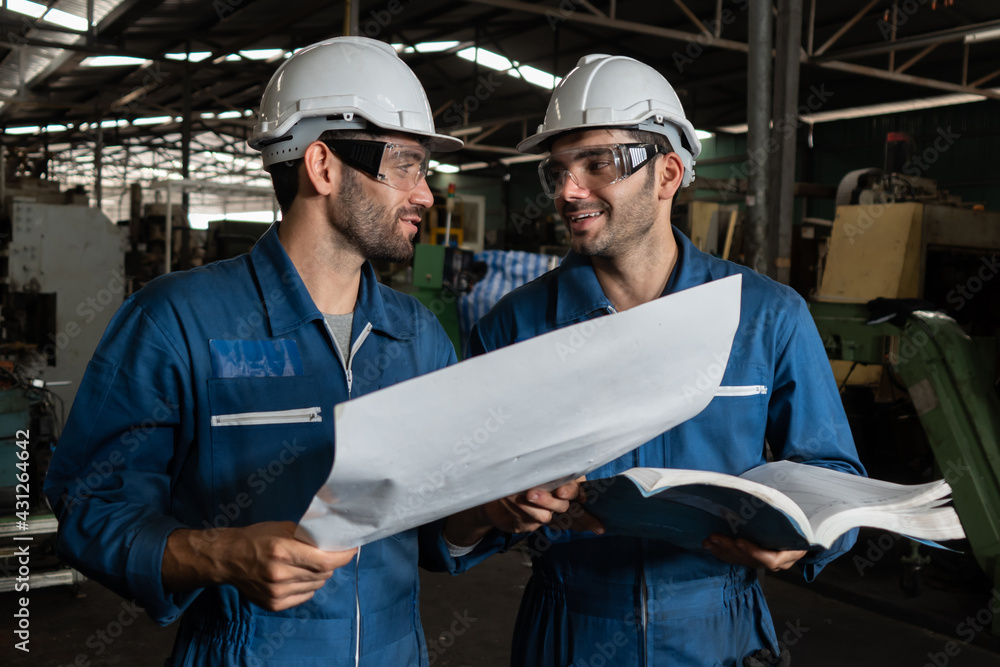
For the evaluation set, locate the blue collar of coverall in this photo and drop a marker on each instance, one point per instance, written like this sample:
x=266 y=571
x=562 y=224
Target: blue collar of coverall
x=579 y=293
x=276 y=274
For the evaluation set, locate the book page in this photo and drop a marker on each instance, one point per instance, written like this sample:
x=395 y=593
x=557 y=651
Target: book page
x=821 y=492
x=547 y=409
x=935 y=523
x=654 y=480
x=686 y=506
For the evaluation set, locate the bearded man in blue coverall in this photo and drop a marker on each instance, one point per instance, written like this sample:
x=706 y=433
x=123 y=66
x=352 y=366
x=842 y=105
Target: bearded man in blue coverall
x=621 y=148
x=204 y=423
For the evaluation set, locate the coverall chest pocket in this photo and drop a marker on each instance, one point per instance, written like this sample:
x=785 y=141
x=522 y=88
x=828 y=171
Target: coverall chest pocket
x=729 y=433
x=272 y=446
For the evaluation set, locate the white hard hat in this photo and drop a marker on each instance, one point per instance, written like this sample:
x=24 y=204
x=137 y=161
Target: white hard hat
x=344 y=83
x=617 y=91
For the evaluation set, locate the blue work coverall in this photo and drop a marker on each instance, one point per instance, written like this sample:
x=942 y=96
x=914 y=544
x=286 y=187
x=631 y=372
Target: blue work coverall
x=600 y=601
x=209 y=403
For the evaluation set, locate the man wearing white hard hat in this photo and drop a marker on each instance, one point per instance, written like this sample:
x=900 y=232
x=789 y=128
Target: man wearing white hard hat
x=204 y=423
x=621 y=147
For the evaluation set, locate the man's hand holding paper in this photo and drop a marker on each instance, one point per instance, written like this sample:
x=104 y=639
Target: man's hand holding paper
x=522 y=513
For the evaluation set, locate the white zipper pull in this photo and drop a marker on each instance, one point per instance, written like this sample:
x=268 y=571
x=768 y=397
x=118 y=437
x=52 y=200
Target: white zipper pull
x=745 y=390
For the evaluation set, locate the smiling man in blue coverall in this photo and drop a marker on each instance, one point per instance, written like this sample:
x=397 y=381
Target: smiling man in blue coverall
x=204 y=423
x=621 y=148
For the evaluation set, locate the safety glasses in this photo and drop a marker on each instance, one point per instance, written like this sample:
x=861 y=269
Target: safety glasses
x=399 y=167
x=594 y=167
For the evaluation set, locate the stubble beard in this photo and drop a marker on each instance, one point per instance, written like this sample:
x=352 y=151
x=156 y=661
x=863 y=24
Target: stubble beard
x=623 y=230
x=368 y=225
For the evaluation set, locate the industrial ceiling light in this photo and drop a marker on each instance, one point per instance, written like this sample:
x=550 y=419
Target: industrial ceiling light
x=114 y=61
x=444 y=168
x=193 y=57
x=54 y=16
x=515 y=69
x=153 y=120
x=983 y=36
x=256 y=54
x=426 y=47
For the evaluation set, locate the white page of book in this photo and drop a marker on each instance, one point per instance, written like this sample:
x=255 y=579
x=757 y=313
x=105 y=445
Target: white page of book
x=821 y=492
x=541 y=411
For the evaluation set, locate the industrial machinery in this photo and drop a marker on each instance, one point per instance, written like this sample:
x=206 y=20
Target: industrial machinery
x=61 y=279
x=910 y=315
x=443 y=265
x=950 y=379
x=440 y=275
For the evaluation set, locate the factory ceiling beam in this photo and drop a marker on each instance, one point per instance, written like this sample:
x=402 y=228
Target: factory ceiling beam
x=668 y=33
x=535 y=92
x=629 y=26
x=917 y=41
x=915 y=59
x=232 y=47
x=844 y=28
x=694 y=17
x=126 y=14
x=989 y=77
x=908 y=78
x=474 y=142
x=593 y=10
x=117 y=20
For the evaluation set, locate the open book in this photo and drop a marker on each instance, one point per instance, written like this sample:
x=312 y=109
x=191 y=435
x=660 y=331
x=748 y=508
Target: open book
x=780 y=506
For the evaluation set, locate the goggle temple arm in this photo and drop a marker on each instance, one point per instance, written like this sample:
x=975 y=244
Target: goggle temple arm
x=638 y=155
x=364 y=155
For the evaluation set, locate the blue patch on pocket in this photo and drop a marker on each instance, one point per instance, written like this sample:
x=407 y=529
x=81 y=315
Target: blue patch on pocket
x=255 y=358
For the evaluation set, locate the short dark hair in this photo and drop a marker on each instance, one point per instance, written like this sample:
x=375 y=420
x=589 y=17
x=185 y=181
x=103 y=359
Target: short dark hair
x=285 y=175
x=647 y=137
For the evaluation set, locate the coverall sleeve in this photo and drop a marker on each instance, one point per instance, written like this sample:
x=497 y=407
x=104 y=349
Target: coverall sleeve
x=806 y=419
x=110 y=478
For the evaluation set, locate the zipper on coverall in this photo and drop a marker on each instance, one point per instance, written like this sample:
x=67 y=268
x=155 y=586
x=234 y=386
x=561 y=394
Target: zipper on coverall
x=357 y=559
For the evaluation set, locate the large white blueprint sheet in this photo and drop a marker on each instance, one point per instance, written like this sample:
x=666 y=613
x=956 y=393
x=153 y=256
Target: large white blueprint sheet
x=536 y=413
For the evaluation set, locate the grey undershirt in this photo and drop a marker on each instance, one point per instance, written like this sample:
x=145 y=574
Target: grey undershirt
x=340 y=327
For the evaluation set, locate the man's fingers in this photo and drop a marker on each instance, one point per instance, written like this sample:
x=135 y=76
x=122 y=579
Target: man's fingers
x=742 y=552
x=530 y=516
x=307 y=557
x=338 y=559
x=773 y=560
x=571 y=490
x=544 y=500
x=279 y=600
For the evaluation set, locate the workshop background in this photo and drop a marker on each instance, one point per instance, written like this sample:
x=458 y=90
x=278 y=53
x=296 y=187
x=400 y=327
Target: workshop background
x=850 y=150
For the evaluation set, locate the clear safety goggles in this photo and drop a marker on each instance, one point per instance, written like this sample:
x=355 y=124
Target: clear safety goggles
x=594 y=167
x=399 y=167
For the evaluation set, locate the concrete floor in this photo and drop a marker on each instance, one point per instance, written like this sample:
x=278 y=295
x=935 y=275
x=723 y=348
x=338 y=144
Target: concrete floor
x=842 y=619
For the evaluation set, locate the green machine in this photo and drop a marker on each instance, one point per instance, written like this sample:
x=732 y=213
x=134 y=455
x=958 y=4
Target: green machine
x=439 y=277
x=15 y=420
x=950 y=379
